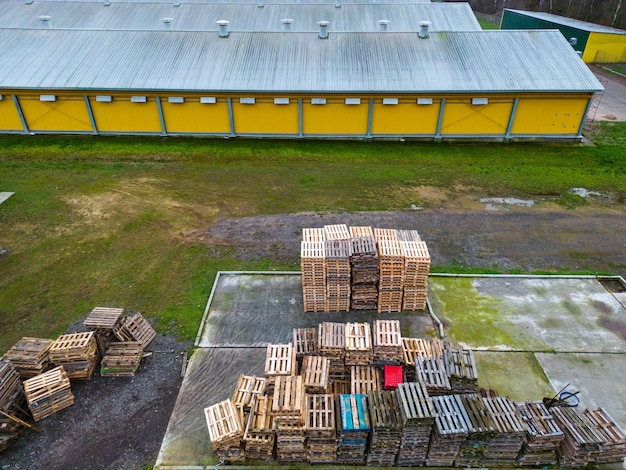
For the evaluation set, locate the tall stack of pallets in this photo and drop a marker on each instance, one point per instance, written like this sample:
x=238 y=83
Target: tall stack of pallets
x=77 y=353
x=304 y=341
x=316 y=374
x=418 y=347
x=364 y=269
x=247 y=389
x=391 y=265
x=461 y=369
x=613 y=449
x=30 y=356
x=12 y=416
x=582 y=442
x=331 y=343
x=280 y=360
x=225 y=431
x=48 y=393
x=474 y=449
x=288 y=408
x=387 y=342
x=418 y=416
x=386 y=428
x=543 y=434
x=259 y=436
x=416 y=271
x=313 y=265
x=353 y=426
x=321 y=429
x=364 y=379
x=337 y=249
x=509 y=432
x=451 y=428
x=358 y=344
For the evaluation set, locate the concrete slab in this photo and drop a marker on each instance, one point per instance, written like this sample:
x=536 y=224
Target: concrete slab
x=4 y=196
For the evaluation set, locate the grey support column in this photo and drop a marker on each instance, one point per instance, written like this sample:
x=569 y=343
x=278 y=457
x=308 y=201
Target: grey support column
x=231 y=118
x=370 y=114
x=582 y=121
x=21 y=114
x=509 y=126
x=440 y=119
x=91 y=118
x=300 y=122
x=161 y=117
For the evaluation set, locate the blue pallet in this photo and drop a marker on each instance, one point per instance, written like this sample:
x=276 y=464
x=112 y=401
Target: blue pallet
x=351 y=421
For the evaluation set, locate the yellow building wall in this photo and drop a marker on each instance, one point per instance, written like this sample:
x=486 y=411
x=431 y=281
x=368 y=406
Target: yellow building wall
x=406 y=117
x=67 y=113
x=461 y=117
x=603 y=47
x=549 y=115
x=9 y=117
x=195 y=117
x=123 y=116
x=265 y=117
x=335 y=117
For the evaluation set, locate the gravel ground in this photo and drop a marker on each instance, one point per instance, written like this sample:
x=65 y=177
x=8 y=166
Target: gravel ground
x=118 y=423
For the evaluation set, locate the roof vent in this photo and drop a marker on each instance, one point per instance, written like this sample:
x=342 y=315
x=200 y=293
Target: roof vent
x=287 y=23
x=28 y=2
x=383 y=24
x=176 y=3
x=323 y=29
x=424 y=25
x=223 y=24
x=167 y=23
x=45 y=20
x=573 y=41
x=107 y=3
x=260 y=4
x=337 y=3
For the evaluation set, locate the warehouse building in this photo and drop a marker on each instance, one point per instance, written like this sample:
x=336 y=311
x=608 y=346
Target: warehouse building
x=381 y=84
x=596 y=43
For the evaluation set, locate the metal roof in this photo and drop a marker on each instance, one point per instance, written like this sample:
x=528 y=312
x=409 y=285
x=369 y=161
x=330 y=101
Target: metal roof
x=388 y=62
x=570 y=22
x=242 y=17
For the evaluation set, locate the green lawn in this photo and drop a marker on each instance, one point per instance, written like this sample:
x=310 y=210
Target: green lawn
x=116 y=221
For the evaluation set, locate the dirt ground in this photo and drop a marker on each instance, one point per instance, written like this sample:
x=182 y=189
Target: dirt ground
x=118 y=423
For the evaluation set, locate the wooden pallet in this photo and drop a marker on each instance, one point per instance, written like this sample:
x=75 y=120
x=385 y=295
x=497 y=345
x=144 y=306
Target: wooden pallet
x=364 y=379
x=418 y=416
x=420 y=347
x=30 y=356
x=385 y=234
x=408 y=236
x=337 y=232
x=77 y=353
x=313 y=235
x=48 y=393
x=461 y=369
x=259 y=436
x=225 y=431
x=316 y=374
x=320 y=416
x=361 y=231
x=304 y=341
x=386 y=432
x=121 y=359
x=387 y=342
x=543 y=434
x=331 y=339
x=582 y=441
x=358 y=344
x=353 y=426
x=451 y=428
x=135 y=328
x=280 y=359
x=288 y=402
x=389 y=301
x=432 y=372
x=10 y=386
x=103 y=318
x=613 y=449
x=247 y=389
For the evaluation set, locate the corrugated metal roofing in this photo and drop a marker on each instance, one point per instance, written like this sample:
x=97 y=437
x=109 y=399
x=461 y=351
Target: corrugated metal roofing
x=480 y=61
x=571 y=22
x=242 y=17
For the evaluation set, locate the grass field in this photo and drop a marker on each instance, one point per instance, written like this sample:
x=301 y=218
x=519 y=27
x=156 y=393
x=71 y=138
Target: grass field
x=116 y=221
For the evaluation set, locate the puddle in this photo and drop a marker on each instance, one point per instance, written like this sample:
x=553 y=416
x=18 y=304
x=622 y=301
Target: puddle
x=582 y=192
x=494 y=203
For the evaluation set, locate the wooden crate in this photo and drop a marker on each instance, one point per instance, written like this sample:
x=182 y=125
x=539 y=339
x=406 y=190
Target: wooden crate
x=280 y=359
x=387 y=341
x=77 y=353
x=121 y=359
x=247 y=389
x=30 y=356
x=225 y=431
x=103 y=318
x=386 y=428
x=364 y=379
x=135 y=328
x=48 y=393
x=316 y=374
x=337 y=232
x=358 y=344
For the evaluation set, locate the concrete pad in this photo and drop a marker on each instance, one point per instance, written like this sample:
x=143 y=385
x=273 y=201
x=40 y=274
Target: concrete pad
x=529 y=313
x=4 y=196
x=599 y=377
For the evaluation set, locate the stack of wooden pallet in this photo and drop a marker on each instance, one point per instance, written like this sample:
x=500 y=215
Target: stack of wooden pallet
x=288 y=409
x=331 y=343
x=121 y=359
x=77 y=353
x=313 y=265
x=102 y=321
x=418 y=416
x=321 y=429
x=543 y=434
x=353 y=428
x=509 y=432
x=387 y=341
x=364 y=379
x=259 y=436
x=613 y=449
x=225 y=431
x=304 y=341
x=582 y=442
x=416 y=271
x=386 y=425
x=30 y=356
x=337 y=249
x=481 y=430
x=316 y=374
x=449 y=432
x=135 y=328
x=418 y=347
x=461 y=369
x=12 y=418
x=247 y=389
x=391 y=265
x=48 y=393
x=280 y=360
x=364 y=269
x=432 y=372
x=358 y=344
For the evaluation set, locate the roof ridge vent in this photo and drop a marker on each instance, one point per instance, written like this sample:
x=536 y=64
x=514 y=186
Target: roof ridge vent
x=424 y=26
x=287 y=23
x=223 y=24
x=337 y=3
x=167 y=23
x=176 y=3
x=323 y=29
x=384 y=24
x=45 y=20
x=260 y=4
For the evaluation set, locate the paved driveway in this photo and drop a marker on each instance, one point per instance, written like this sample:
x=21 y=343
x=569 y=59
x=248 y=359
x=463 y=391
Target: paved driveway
x=609 y=105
